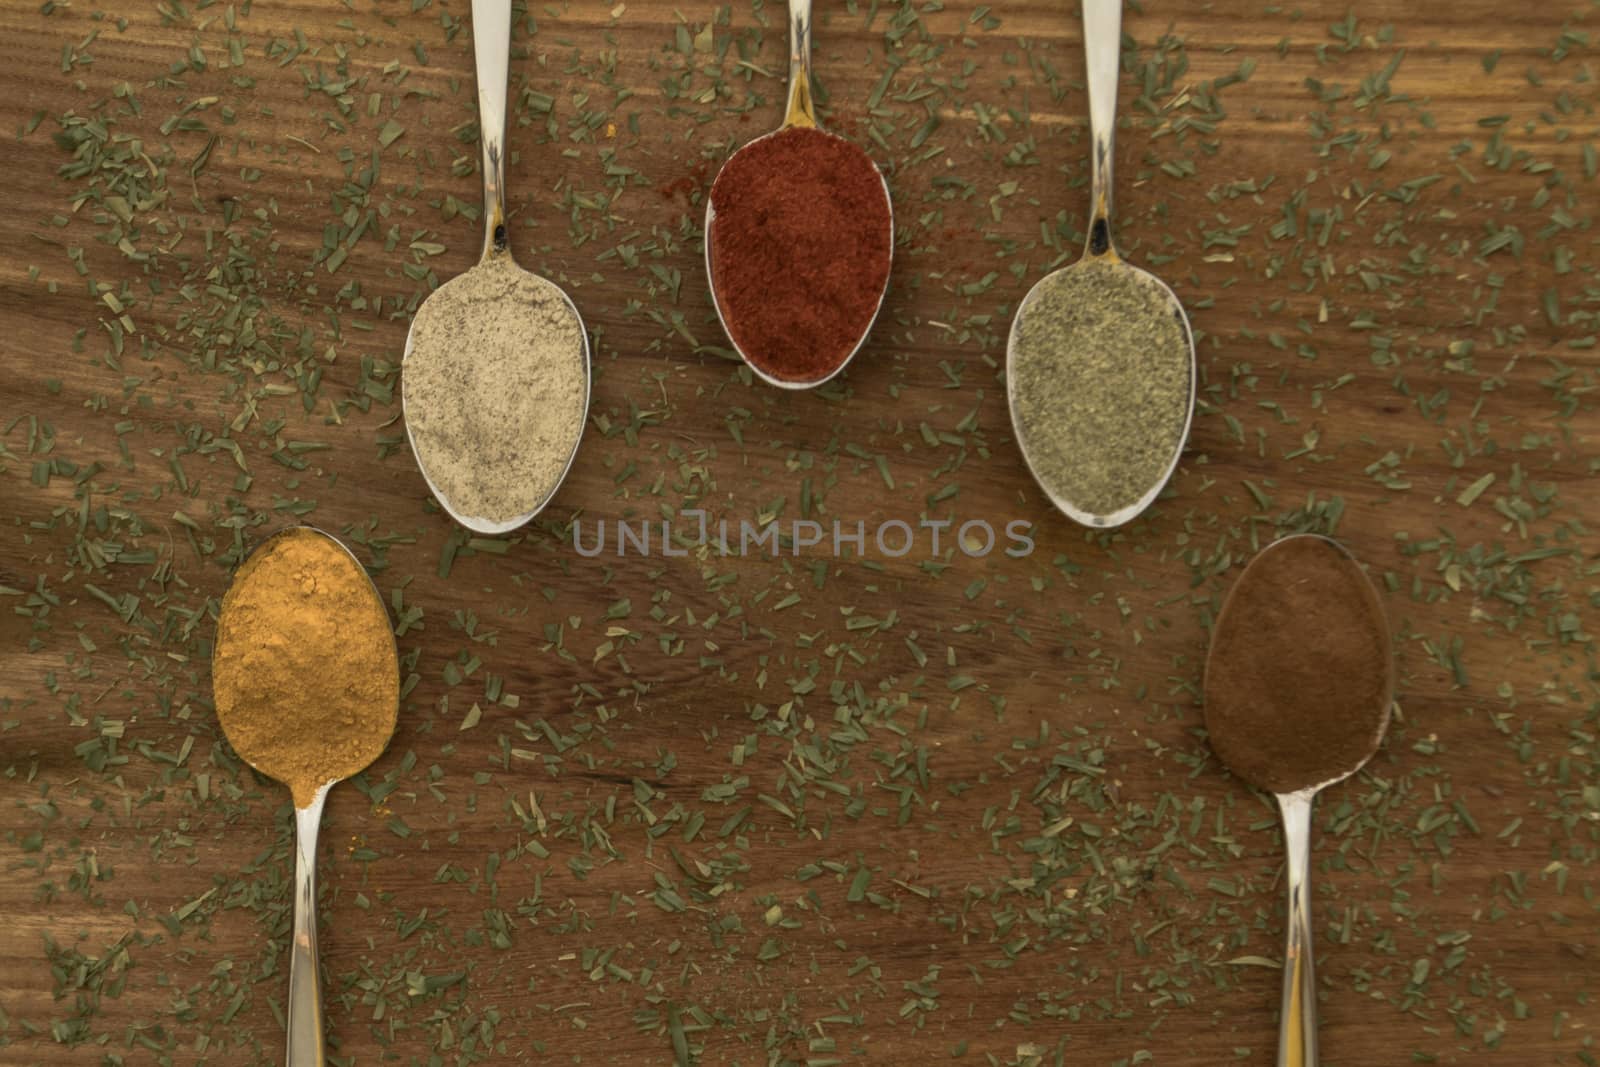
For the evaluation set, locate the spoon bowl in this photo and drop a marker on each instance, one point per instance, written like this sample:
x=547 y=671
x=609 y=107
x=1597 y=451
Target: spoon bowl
x=491 y=42
x=1254 y=679
x=240 y=660
x=1097 y=400
x=1105 y=272
x=481 y=524
x=800 y=114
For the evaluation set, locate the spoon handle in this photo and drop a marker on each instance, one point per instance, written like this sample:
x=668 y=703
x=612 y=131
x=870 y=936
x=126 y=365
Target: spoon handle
x=1102 y=54
x=802 y=110
x=305 y=984
x=491 y=49
x=1297 y=1019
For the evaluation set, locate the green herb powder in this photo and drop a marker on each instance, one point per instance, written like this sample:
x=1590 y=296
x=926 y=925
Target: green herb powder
x=1100 y=380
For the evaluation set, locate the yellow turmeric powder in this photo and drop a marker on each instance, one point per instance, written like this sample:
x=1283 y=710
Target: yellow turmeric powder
x=305 y=675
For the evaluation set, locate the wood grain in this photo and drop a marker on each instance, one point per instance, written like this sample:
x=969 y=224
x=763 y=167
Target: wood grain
x=939 y=746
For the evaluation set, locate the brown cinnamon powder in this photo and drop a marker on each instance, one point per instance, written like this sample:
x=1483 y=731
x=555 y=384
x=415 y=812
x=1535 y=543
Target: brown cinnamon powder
x=1300 y=675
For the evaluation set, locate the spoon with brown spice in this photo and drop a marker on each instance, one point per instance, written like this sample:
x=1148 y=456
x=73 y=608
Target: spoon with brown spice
x=1298 y=685
x=1100 y=360
x=306 y=682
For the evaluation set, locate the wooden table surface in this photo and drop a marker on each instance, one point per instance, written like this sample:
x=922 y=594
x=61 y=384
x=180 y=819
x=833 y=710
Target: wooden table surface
x=803 y=809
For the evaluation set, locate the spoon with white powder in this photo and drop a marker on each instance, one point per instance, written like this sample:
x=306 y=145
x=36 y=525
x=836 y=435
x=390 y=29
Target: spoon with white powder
x=495 y=383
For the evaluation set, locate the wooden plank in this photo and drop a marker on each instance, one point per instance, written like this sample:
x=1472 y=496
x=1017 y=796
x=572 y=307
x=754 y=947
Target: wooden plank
x=1059 y=685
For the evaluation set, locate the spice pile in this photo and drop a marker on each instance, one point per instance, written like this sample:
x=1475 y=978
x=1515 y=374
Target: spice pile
x=1298 y=678
x=495 y=389
x=304 y=674
x=800 y=245
x=1099 y=377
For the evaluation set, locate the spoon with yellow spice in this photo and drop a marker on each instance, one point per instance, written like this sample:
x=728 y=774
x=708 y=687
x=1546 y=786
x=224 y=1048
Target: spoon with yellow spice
x=306 y=682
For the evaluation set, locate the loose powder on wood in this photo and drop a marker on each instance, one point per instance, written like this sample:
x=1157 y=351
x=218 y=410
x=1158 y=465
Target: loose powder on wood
x=495 y=389
x=1099 y=376
x=304 y=674
x=1300 y=674
x=800 y=242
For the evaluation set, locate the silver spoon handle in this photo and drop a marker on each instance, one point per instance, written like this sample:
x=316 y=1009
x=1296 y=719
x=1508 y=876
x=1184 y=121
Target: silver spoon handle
x=802 y=109
x=1102 y=53
x=491 y=49
x=305 y=984
x=1297 y=1019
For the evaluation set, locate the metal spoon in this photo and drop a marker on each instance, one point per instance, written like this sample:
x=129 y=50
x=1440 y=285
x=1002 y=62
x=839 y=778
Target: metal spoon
x=801 y=112
x=1102 y=47
x=491 y=47
x=305 y=1028
x=1297 y=1028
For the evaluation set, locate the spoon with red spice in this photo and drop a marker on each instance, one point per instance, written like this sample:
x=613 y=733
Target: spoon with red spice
x=799 y=237
x=1298 y=686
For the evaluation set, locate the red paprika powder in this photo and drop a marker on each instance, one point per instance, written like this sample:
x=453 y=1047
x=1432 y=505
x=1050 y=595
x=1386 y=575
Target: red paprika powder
x=800 y=243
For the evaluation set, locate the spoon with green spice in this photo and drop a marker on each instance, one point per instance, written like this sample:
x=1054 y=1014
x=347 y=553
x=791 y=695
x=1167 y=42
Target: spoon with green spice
x=496 y=375
x=1100 y=362
x=1299 y=681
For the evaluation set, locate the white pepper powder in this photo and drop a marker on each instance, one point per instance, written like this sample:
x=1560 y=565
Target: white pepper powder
x=495 y=389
